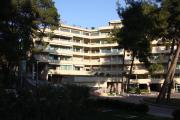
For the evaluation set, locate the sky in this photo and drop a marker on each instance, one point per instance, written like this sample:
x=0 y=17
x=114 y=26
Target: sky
x=86 y=13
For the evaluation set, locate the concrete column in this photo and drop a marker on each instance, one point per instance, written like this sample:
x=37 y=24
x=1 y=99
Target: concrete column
x=44 y=73
x=148 y=87
x=119 y=88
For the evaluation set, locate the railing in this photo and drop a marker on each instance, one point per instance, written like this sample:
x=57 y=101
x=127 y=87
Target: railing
x=54 y=61
x=41 y=58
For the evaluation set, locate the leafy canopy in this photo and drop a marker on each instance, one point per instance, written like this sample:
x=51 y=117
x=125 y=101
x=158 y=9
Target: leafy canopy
x=135 y=32
x=20 y=21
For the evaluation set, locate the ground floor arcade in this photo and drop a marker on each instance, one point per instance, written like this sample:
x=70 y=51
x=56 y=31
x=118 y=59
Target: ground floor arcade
x=111 y=85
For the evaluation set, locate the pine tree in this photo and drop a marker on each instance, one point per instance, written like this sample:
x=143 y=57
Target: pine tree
x=20 y=21
x=134 y=34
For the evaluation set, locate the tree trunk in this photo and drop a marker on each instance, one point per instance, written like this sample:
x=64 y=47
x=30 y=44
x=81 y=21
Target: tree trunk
x=122 y=87
x=169 y=73
x=130 y=72
x=171 y=54
x=169 y=63
x=170 y=85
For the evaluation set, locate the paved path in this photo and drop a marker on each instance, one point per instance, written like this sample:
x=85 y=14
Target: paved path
x=161 y=111
x=153 y=110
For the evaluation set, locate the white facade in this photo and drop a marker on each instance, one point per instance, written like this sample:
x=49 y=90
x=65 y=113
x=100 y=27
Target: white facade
x=87 y=57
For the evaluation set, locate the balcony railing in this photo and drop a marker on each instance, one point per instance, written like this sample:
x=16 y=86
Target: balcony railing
x=54 y=61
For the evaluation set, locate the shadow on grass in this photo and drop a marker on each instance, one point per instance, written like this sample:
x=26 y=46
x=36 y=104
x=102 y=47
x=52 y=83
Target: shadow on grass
x=173 y=103
x=120 y=115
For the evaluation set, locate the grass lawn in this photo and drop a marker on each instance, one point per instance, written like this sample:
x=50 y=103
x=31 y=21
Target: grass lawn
x=108 y=114
x=173 y=102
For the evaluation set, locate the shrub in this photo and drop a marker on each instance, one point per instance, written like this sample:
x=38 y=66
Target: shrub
x=138 y=91
x=144 y=90
x=176 y=114
x=132 y=90
x=117 y=104
x=46 y=102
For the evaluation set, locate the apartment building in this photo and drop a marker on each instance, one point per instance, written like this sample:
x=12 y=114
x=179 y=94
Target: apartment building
x=87 y=57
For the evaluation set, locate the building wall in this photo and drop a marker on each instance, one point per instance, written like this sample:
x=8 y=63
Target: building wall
x=87 y=57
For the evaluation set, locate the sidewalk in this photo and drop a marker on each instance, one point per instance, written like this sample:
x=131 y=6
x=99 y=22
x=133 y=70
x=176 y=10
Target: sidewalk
x=160 y=111
x=156 y=110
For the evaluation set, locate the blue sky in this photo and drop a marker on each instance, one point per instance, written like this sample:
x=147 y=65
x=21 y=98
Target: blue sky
x=87 y=13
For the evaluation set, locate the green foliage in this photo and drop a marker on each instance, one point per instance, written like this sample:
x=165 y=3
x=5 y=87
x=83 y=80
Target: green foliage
x=20 y=22
x=172 y=7
x=171 y=10
x=46 y=103
x=16 y=30
x=144 y=91
x=166 y=20
x=154 y=68
x=117 y=104
x=47 y=14
x=134 y=33
x=136 y=28
x=134 y=90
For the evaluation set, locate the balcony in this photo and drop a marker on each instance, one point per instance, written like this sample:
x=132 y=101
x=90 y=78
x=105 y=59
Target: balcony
x=55 y=62
x=72 y=72
x=69 y=42
x=62 y=42
x=60 y=52
x=97 y=79
x=177 y=80
x=140 y=81
x=160 y=49
x=41 y=58
x=140 y=71
x=157 y=80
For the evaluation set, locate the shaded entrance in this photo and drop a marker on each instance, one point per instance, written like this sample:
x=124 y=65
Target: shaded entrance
x=114 y=87
x=155 y=87
x=178 y=88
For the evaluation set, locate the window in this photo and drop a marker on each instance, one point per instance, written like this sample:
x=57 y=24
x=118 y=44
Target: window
x=95 y=51
x=104 y=42
x=62 y=48
x=75 y=31
x=177 y=87
x=64 y=29
x=77 y=68
x=95 y=34
x=86 y=33
x=115 y=50
x=68 y=39
x=105 y=59
x=178 y=67
x=77 y=49
x=77 y=41
x=52 y=47
x=105 y=50
x=52 y=67
x=66 y=67
x=66 y=58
